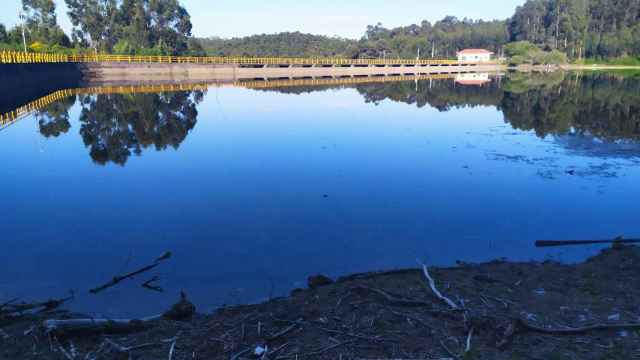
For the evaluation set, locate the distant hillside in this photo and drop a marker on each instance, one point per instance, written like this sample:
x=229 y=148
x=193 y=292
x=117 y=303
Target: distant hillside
x=580 y=28
x=282 y=44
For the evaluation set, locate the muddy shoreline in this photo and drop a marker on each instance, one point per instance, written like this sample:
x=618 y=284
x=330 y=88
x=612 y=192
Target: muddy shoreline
x=495 y=310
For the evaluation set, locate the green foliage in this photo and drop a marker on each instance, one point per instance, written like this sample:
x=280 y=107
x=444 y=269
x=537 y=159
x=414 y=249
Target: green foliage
x=40 y=20
x=161 y=27
x=3 y=34
x=580 y=28
x=621 y=61
x=519 y=48
x=442 y=39
x=293 y=44
x=524 y=52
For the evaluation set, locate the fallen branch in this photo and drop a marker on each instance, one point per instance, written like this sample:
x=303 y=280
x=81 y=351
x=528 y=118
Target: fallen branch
x=181 y=310
x=49 y=305
x=449 y=352
x=285 y=331
x=172 y=349
x=578 y=330
x=317 y=352
x=149 y=284
x=394 y=300
x=128 y=349
x=432 y=285
x=119 y=278
x=468 y=347
x=107 y=326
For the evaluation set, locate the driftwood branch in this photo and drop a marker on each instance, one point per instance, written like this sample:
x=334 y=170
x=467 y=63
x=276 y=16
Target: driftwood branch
x=183 y=309
x=150 y=284
x=107 y=326
x=49 y=305
x=119 y=278
x=432 y=285
x=617 y=241
x=578 y=330
x=468 y=347
x=394 y=300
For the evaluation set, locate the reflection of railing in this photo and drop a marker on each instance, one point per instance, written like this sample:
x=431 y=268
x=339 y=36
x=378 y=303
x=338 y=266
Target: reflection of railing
x=7 y=119
x=13 y=57
x=265 y=84
x=11 y=117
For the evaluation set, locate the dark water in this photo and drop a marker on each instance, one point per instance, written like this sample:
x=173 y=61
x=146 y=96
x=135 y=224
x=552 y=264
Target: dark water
x=254 y=190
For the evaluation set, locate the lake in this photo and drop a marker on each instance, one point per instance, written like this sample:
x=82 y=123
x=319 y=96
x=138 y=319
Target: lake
x=254 y=188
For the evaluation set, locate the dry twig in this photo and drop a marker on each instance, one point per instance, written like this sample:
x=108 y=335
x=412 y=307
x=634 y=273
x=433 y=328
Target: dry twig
x=119 y=278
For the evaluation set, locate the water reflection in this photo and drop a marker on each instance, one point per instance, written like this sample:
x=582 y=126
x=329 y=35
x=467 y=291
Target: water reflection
x=596 y=114
x=54 y=119
x=115 y=126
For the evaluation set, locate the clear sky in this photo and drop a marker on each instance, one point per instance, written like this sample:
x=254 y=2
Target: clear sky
x=346 y=18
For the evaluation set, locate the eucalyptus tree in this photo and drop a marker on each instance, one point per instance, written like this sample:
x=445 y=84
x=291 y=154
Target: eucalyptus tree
x=42 y=24
x=160 y=26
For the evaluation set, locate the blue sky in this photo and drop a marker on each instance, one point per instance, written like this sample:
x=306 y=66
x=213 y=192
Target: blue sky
x=347 y=18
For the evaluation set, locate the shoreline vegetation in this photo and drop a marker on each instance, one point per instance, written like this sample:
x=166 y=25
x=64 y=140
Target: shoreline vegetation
x=494 y=310
x=554 y=31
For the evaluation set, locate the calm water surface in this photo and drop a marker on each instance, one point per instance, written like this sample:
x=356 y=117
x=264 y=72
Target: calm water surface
x=254 y=190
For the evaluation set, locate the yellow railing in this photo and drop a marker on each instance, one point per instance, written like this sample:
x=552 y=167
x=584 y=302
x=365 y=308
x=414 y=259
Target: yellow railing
x=13 y=57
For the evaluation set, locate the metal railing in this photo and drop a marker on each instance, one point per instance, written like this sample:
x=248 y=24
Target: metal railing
x=14 y=57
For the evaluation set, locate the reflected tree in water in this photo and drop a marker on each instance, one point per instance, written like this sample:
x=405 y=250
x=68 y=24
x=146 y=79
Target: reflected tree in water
x=443 y=95
x=53 y=120
x=602 y=105
x=116 y=126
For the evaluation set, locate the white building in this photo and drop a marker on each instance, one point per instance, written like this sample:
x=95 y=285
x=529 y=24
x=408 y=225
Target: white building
x=474 y=79
x=474 y=55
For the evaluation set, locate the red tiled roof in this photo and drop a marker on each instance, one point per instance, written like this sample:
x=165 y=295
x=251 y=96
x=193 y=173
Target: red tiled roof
x=475 y=51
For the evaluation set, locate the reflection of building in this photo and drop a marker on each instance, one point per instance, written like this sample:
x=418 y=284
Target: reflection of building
x=477 y=79
x=474 y=55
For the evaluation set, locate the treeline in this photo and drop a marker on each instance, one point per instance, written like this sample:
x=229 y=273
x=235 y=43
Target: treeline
x=580 y=28
x=292 y=44
x=441 y=39
x=147 y=27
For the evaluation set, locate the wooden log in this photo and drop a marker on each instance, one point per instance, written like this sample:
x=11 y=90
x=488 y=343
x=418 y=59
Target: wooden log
x=107 y=326
x=182 y=310
x=554 y=243
x=119 y=278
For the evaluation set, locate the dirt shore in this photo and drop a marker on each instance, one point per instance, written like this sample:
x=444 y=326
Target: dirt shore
x=495 y=310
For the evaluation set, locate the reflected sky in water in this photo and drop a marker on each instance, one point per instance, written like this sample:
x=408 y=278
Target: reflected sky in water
x=254 y=190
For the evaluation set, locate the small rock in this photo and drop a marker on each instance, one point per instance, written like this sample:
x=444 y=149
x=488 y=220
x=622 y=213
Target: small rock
x=182 y=310
x=571 y=172
x=316 y=281
x=296 y=291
